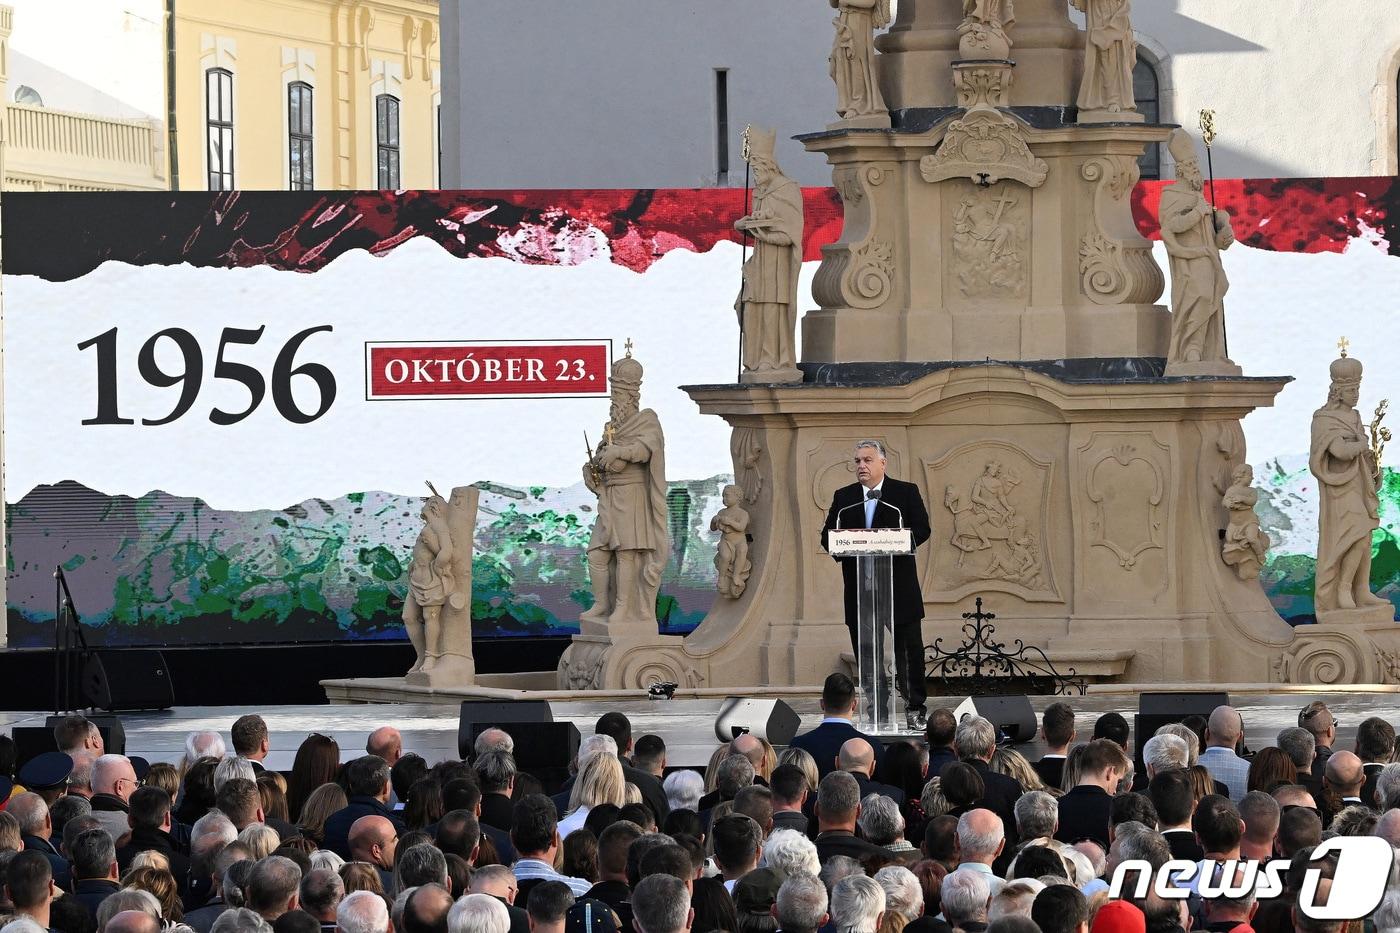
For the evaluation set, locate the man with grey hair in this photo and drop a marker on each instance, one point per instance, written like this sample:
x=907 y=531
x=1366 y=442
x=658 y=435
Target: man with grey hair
x=800 y=906
x=205 y=743
x=838 y=867
x=964 y=897
x=132 y=921
x=95 y=872
x=231 y=768
x=1037 y=815
x=1164 y=752
x=881 y=823
x=493 y=740
x=1260 y=813
x=733 y=774
x=661 y=904
x=36 y=833
x=273 y=887
x=113 y=780
x=838 y=812
x=422 y=864
x=903 y=893
x=320 y=893
x=857 y=904
x=240 y=920
x=80 y=778
x=788 y=852
x=127 y=899
x=1224 y=732
x=879 y=501
x=366 y=912
x=1300 y=746
x=1131 y=841
x=974 y=742
x=1015 y=899
x=981 y=839
x=495 y=773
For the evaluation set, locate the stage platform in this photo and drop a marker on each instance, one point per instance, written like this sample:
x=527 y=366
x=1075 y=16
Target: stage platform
x=686 y=723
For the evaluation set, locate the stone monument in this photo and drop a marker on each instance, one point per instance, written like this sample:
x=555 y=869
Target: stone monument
x=437 y=607
x=732 y=555
x=1245 y=544
x=1110 y=52
x=852 y=62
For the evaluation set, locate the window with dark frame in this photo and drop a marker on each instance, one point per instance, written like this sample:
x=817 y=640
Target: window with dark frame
x=721 y=126
x=300 y=146
x=218 y=111
x=1146 y=90
x=386 y=124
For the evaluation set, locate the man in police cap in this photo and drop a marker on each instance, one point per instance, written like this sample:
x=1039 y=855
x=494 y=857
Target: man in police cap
x=47 y=775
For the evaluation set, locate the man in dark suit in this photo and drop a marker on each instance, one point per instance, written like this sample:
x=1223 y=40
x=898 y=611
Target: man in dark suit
x=838 y=808
x=1318 y=719
x=857 y=759
x=942 y=725
x=1375 y=746
x=838 y=709
x=880 y=501
x=1057 y=727
x=495 y=774
x=789 y=787
x=1172 y=793
x=1086 y=807
x=368 y=777
x=975 y=741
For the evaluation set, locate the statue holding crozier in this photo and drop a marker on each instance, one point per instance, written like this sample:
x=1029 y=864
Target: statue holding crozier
x=767 y=303
x=876 y=500
x=1349 y=509
x=631 y=538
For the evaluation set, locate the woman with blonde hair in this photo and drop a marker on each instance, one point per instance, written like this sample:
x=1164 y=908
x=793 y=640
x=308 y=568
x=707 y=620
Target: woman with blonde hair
x=1014 y=765
x=149 y=858
x=159 y=883
x=324 y=800
x=770 y=761
x=262 y=840
x=712 y=769
x=599 y=781
x=361 y=876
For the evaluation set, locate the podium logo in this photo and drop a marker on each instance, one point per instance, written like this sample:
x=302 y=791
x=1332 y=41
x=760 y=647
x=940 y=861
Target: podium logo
x=1355 y=889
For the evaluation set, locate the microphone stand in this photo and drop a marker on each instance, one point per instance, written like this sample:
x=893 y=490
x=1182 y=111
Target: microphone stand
x=70 y=645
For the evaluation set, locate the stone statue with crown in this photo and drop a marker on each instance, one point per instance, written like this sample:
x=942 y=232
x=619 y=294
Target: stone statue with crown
x=1348 y=477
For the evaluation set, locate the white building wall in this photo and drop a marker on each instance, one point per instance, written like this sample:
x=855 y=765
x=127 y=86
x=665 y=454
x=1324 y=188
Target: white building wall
x=606 y=93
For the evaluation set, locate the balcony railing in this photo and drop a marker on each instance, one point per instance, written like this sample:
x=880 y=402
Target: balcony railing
x=54 y=150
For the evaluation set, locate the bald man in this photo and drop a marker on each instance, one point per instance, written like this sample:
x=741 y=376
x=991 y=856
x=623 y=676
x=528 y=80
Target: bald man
x=857 y=756
x=387 y=743
x=752 y=749
x=1342 y=778
x=1224 y=733
x=981 y=839
x=373 y=839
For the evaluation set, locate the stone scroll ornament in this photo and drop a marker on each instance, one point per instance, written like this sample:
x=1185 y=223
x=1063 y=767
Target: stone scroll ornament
x=1110 y=52
x=732 y=563
x=1246 y=544
x=767 y=303
x=852 y=62
x=631 y=538
x=1195 y=234
x=432 y=584
x=1348 y=477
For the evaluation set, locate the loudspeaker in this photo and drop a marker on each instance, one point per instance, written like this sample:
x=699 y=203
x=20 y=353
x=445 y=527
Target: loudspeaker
x=486 y=713
x=1011 y=715
x=773 y=720
x=1155 y=710
x=129 y=678
x=33 y=741
x=545 y=749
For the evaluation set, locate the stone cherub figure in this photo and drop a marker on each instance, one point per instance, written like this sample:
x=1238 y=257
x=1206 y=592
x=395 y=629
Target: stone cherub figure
x=767 y=302
x=1246 y=544
x=1348 y=480
x=1110 y=52
x=732 y=555
x=1194 y=234
x=432 y=584
x=852 y=62
x=631 y=537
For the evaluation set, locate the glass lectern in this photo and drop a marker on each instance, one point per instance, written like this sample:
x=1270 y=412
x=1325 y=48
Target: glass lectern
x=874 y=550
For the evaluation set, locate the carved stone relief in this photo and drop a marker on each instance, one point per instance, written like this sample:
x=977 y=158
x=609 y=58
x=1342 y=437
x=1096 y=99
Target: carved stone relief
x=747 y=456
x=985 y=146
x=990 y=244
x=990 y=513
x=1127 y=489
x=859 y=270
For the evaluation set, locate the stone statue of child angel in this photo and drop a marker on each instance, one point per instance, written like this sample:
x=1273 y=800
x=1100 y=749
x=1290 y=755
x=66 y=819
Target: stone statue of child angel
x=732 y=556
x=431 y=584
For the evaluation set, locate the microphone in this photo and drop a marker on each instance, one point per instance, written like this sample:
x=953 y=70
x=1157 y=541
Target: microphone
x=875 y=494
x=851 y=506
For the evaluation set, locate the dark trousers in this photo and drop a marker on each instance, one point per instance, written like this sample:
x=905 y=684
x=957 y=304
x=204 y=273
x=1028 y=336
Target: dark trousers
x=908 y=660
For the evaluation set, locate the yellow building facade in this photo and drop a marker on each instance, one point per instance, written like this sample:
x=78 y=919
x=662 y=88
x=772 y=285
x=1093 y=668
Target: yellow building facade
x=307 y=94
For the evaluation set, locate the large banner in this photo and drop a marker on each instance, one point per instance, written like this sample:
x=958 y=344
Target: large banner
x=221 y=410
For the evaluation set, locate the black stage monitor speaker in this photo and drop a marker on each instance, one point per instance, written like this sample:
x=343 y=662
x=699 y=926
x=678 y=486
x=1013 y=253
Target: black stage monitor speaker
x=32 y=741
x=129 y=678
x=1155 y=710
x=539 y=746
x=477 y=715
x=1011 y=715
x=773 y=720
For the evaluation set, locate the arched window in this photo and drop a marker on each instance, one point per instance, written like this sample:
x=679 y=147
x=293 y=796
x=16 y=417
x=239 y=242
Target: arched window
x=386 y=124
x=1147 y=91
x=218 y=115
x=300 y=149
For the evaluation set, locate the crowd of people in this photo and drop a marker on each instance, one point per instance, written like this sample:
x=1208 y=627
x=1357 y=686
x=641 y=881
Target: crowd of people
x=836 y=833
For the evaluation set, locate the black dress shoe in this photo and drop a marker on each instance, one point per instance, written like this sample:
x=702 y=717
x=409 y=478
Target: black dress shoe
x=916 y=719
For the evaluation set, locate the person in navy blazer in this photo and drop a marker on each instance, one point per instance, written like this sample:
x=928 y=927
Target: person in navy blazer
x=838 y=707
x=896 y=505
